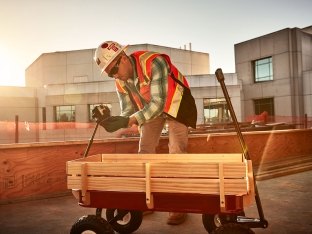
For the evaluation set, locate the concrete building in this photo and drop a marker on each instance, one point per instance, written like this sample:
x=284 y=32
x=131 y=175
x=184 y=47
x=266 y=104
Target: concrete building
x=273 y=74
x=65 y=87
x=276 y=73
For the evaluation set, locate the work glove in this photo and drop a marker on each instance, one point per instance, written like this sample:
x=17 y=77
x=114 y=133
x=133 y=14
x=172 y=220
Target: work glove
x=100 y=113
x=113 y=123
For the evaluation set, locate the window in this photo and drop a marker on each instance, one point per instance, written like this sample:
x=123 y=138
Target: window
x=216 y=110
x=265 y=104
x=263 y=70
x=64 y=113
x=91 y=107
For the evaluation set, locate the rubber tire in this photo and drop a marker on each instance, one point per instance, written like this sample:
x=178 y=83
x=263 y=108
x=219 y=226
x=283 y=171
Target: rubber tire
x=91 y=223
x=133 y=224
x=232 y=228
x=211 y=222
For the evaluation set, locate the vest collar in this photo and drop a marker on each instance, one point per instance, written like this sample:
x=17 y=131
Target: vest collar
x=135 y=78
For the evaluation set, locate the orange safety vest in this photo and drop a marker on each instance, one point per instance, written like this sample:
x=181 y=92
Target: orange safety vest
x=179 y=104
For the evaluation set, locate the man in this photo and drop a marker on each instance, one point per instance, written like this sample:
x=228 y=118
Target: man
x=151 y=92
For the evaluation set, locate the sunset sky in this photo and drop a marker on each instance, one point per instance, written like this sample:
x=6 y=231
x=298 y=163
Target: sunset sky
x=29 y=28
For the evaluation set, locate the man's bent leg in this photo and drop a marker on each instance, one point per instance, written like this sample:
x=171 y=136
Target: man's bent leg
x=149 y=138
x=178 y=139
x=149 y=135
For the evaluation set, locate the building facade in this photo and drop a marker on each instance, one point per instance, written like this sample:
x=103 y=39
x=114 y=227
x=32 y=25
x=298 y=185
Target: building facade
x=65 y=87
x=276 y=74
x=273 y=75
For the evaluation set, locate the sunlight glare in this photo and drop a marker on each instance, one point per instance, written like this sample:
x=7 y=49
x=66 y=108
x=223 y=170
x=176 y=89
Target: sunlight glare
x=9 y=76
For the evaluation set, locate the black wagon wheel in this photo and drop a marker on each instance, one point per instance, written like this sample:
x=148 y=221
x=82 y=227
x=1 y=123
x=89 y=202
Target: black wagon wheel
x=213 y=221
x=124 y=221
x=232 y=228
x=91 y=224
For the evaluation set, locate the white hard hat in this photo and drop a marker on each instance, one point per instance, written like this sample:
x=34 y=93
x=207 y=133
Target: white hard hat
x=106 y=53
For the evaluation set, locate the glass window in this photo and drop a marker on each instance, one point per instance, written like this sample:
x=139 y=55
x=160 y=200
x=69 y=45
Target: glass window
x=263 y=69
x=91 y=107
x=265 y=104
x=216 y=110
x=64 y=113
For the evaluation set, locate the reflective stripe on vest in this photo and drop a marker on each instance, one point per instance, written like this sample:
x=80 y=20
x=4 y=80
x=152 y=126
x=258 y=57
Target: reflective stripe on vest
x=143 y=60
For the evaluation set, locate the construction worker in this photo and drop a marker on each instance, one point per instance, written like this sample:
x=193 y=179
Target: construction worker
x=151 y=92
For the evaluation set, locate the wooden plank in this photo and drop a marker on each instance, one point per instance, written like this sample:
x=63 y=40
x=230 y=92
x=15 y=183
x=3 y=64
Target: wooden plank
x=174 y=157
x=169 y=169
x=250 y=198
x=109 y=184
x=91 y=158
x=148 y=195
x=168 y=185
x=221 y=186
x=84 y=181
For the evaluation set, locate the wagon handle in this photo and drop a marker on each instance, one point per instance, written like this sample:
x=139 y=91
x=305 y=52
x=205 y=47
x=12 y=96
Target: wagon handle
x=220 y=77
x=91 y=140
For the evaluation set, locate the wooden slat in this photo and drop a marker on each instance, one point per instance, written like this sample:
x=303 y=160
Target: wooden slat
x=109 y=184
x=170 y=169
x=174 y=157
x=221 y=186
x=84 y=179
x=250 y=198
x=169 y=185
x=149 y=202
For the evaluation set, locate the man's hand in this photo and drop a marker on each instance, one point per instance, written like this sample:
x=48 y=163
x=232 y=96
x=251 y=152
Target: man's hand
x=100 y=113
x=114 y=123
x=132 y=121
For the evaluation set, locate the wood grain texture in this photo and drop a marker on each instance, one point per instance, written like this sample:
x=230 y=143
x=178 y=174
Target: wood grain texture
x=34 y=170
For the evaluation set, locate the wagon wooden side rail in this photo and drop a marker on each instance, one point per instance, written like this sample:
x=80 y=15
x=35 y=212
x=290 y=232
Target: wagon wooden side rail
x=214 y=175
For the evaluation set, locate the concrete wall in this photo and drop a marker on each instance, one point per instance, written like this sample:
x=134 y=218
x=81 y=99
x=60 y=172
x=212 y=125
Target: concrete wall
x=70 y=67
x=307 y=72
x=82 y=94
x=291 y=53
x=307 y=92
x=207 y=86
x=17 y=104
x=202 y=86
x=187 y=61
x=72 y=78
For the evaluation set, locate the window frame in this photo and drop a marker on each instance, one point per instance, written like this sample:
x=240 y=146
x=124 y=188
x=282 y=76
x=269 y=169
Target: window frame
x=71 y=117
x=256 y=69
x=216 y=102
x=261 y=107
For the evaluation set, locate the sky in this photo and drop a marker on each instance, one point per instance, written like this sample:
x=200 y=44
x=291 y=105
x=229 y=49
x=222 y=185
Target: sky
x=29 y=28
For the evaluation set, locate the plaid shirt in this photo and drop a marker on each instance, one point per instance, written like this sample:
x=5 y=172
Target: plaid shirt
x=159 y=87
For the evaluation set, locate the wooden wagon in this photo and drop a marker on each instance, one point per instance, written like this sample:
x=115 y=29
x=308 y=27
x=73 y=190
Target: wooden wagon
x=194 y=183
